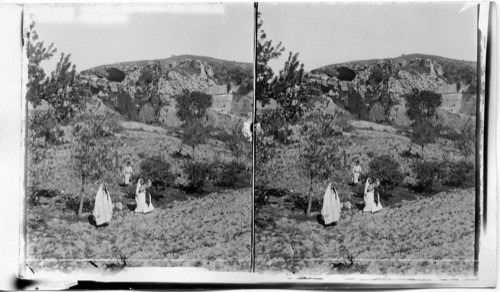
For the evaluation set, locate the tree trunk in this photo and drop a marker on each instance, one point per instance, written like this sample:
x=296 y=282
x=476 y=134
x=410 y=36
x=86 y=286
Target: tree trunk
x=422 y=150
x=80 y=208
x=309 y=201
x=193 y=152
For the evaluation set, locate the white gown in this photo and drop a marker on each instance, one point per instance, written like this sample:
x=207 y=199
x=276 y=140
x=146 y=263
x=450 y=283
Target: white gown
x=140 y=200
x=331 y=205
x=103 y=206
x=370 y=205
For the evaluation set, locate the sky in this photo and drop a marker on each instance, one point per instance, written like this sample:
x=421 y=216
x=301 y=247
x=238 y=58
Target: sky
x=326 y=33
x=104 y=34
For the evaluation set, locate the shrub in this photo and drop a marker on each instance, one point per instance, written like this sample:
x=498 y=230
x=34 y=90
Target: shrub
x=197 y=174
x=159 y=172
x=231 y=174
x=72 y=203
x=428 y=174
x=459 y=174
x=300 y=202
x=386 y=169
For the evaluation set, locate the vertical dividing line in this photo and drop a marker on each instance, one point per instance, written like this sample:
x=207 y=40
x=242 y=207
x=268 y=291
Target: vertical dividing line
x=254 y=137
x=482 y=25
x=477 y=217
x=24 y=143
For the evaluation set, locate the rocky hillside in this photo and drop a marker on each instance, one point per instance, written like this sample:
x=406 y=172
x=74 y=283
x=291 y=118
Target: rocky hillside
x=374 y=89
x=144 y=90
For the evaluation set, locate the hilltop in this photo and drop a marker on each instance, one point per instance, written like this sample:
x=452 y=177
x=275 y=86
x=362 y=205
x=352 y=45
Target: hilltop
x=145 y=90
x=374 y=89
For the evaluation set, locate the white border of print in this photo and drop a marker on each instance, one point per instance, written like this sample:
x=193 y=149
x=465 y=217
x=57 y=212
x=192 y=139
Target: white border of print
x=11 y=170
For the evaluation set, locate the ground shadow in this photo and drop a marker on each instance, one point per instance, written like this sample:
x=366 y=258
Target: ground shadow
x=360 y=206
x=321 y=221
x=131 y=207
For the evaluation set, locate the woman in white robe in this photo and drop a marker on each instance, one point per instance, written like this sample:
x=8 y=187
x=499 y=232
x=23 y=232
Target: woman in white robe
x=103 y=206
x=369 y=197
x=331 y=205
x=140 y=198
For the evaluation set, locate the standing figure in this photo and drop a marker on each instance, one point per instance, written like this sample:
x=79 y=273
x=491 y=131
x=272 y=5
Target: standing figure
x=331 y=205
x=127 y=173
x=356 y=171
x=369 y=196
x=103 y=207
x=140 y=197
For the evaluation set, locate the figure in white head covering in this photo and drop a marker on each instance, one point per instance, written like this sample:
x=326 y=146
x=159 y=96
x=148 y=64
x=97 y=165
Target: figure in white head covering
x=369 y=197
x=103 y=207
x=140 y=197
x=331 y=205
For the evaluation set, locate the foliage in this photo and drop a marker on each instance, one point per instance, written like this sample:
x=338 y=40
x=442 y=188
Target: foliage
x=236 y=142
x=147 y=114
x=192 y=105
x=292 y=92
x=194 y=133
x=36 y=52
x=424 y=132
x=64 y=91
x=319 y=154
x=92 y=150
x=230 y=174
x=72 y=203
x=466 y=141
x=302 y=203
x=422 y=104
x=427 y=174
x=39 y=148
x=459 y=174
x=265 y=51
x=387 y=170
x=197 y=174
x=377 y=113
x=159 y=172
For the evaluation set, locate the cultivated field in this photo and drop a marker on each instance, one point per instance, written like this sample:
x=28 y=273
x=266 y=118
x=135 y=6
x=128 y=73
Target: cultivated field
x=210 y=230
x=415 y=233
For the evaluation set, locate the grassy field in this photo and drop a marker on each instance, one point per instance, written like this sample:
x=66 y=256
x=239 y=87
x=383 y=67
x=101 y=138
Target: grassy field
x=415 y=233
x=210 y=230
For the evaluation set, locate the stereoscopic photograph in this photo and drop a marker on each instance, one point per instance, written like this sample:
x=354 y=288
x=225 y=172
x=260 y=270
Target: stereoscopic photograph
x=365 y=139
x=139 y=149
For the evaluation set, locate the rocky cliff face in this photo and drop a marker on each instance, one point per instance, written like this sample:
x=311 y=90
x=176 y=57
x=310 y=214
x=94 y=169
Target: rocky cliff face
x=146 y=90
x=375 y=89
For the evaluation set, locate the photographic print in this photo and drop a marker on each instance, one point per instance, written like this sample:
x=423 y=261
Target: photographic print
x=138 y=152
x=366 y=139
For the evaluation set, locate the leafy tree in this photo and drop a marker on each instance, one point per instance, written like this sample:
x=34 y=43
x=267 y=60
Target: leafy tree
x=319 y=154
x=466 y=141
x=194 y=134
x=64 y=91
x=192 y=105
x=422 y=104
x=39 y=153
x=424 y=132
x=266 y=51
x=236 y=142
x=37 y=52
x=92 y=151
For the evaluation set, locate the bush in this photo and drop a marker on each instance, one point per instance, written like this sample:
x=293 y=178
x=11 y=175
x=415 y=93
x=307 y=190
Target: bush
x=459 y=174
x=388 y=171
x=230 y=174
x=428 y=175
x=197 y=174
x=300 y=202
x=159 y=172
x=72 y=202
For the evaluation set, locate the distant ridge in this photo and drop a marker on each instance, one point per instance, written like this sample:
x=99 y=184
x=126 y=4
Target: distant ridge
x=173 y=58
x=371 y=62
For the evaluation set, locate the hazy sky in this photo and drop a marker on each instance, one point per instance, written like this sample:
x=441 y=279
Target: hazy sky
x=324 y=34
x=99 y=35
